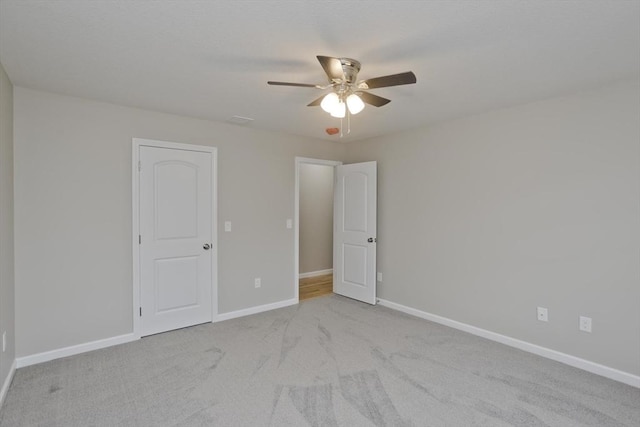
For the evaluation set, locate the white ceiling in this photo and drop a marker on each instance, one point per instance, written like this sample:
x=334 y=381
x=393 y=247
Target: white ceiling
x=212 y=59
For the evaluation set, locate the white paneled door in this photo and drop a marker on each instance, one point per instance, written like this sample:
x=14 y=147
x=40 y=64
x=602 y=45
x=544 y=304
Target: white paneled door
x=354 y=240
x=176 y=238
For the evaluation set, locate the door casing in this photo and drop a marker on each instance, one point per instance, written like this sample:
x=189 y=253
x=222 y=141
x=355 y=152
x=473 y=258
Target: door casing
x=137 y=143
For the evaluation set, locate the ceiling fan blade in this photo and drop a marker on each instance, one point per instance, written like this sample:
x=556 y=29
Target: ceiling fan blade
x=316 y=102
x=385 y=81
x=291 y=84
x=371 y=99
x=333 y=67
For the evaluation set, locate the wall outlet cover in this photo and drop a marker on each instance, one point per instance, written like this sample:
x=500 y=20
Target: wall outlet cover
x=543 y=314
x=585 y=324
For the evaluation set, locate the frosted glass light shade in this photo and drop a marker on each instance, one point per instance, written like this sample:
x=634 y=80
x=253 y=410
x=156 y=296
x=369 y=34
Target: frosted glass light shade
x=330 y=102
x=339 y=110
x=354 y=103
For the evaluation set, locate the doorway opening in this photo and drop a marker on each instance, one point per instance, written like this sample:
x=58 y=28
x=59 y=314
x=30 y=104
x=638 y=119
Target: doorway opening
x=354 y=228
x=314 y=227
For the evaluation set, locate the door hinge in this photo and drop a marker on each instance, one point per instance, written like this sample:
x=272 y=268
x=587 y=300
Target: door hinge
x=139 y=166
x=139 y=239
x=140 y=311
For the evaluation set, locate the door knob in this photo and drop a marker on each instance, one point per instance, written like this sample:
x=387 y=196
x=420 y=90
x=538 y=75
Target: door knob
x=206 y=246
x=371 y=240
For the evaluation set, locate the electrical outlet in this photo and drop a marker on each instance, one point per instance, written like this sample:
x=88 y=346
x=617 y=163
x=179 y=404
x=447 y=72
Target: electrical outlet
x=257 y=282
x=4 y=341
x=227 y=226
x=379 y=277
x=289 y=223
x=585 y=324
x=543 y=314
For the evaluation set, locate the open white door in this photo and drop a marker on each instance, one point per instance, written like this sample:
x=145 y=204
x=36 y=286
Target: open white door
x=176 y=237
x=354 y=237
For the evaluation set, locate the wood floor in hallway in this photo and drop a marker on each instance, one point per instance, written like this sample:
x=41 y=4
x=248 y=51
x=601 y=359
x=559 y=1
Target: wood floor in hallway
x=311 y=287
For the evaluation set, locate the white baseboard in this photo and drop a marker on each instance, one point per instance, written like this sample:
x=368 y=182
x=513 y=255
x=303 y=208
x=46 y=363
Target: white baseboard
x=122 y=339
x=7 y=382
x=567 y=359
x=255 y=310
x=73 y=350
x=315 y=273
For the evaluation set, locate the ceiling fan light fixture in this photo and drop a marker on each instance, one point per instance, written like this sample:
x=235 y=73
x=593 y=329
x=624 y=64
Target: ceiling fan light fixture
x=330 y=102
x=348 y=95
x=354 y=103
x=340 y=110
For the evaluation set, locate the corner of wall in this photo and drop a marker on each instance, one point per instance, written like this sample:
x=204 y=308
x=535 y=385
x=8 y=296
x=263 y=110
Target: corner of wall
x=7 y=275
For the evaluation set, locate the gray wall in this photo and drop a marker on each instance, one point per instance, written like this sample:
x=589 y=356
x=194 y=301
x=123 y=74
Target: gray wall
x=316 y=217
x=73 y=213
x=485 y=218
x=7 y=305
x=480 y=219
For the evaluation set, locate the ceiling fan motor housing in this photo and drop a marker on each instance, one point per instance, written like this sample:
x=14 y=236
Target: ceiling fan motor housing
x=351 y=68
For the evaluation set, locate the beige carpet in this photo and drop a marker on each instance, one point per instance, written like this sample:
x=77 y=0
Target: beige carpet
x=329 y=361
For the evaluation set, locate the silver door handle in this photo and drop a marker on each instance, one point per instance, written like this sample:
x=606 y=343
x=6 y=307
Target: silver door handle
x=206 y=246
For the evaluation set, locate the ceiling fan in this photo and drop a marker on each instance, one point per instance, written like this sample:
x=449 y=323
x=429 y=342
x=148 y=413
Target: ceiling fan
x=348 y=93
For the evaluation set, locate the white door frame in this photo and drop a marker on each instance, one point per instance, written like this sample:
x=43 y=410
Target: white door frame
x=135 y=208
x=296 y=234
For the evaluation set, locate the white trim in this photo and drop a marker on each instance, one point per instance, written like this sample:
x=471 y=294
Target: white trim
x=74 y=349
x=135 y=198
x=46 y=356
x=256 y=310
x=315 y=273
x=296 y=213
x=7 y=382
x=567 y=359
x=214 y=234
x=135 y=230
